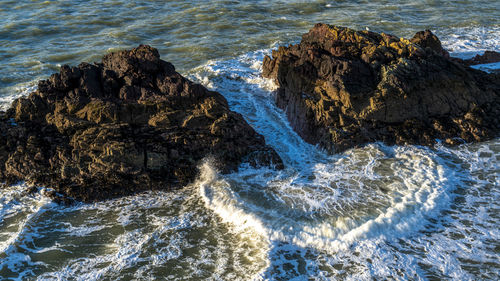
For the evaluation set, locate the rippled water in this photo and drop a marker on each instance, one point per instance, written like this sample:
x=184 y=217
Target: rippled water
x=383 y=212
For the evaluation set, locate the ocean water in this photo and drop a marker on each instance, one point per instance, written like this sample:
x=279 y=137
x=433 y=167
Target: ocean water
x=378 y=212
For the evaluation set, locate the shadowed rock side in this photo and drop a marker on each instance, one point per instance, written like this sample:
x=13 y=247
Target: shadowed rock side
x=487 y=57
x=343 y=88
x=128 y=124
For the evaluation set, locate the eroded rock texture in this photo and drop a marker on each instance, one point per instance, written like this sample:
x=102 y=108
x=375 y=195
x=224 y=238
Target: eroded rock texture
x=128 y=124
x=343 y=88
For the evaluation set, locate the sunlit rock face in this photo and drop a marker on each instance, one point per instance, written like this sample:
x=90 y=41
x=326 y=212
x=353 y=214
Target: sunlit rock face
x=343 y=88
x=127 y=124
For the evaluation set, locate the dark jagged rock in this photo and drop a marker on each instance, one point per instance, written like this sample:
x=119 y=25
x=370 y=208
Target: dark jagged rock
x=426 y=39
x=487 y=57
x=128 y=124
x=343 y=88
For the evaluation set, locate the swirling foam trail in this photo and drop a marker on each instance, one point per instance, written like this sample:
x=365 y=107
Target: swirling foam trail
x=377 y=212
x=329 y=219
x=362 y=198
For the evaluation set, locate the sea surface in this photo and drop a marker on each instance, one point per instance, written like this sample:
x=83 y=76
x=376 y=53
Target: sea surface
x=379 y=212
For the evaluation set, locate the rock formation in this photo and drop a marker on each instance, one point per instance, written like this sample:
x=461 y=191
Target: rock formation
x=128 y=124
x=487 y=57
x=343 y=88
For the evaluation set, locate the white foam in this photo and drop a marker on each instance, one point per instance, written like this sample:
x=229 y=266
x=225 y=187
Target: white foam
x=470 y=41
x=291 y=148
x=18 y=215
x=17 y=91
x=320 y=220
x=137 y=234
x=13 y=203
x=248 y=227
x=329 y=205
x=227 y=208
x=378 y=212
x=247 y=92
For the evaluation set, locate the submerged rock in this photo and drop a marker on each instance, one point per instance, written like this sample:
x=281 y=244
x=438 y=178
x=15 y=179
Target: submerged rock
x=128 y=124
x=343 y=88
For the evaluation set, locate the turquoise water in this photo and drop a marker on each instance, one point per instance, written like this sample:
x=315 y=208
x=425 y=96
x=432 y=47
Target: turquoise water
x=379 y=212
